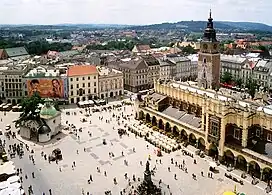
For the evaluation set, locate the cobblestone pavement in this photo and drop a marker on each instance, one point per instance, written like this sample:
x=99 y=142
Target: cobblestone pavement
x=72 y=181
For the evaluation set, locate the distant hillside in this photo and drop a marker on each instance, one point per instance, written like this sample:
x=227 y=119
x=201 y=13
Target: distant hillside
x=222 y=26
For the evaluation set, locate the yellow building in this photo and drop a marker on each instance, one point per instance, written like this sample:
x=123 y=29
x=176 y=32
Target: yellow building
x=233 y=130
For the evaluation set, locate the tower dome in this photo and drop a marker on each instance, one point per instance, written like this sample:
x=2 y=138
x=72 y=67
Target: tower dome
x=48 y=110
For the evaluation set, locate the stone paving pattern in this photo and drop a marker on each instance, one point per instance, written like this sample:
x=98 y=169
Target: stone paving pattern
x=97 y=155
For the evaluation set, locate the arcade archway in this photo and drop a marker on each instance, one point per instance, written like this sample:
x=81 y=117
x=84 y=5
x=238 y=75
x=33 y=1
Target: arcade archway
x=229 y=158
x=213 y=150
x=241 y=163
x=184 y=135
x=161 y=125
x=267 y=174
x=154 y=121
x=192 y=139
x=147 y=118
x=167 y=127
x=254 y=169
x=201 y=144
x=175 y=131
x=141 y=115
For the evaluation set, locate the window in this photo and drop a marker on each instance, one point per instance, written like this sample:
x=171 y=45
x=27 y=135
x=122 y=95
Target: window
x=71 y=79
x=77 y=85
x=76 y=79
x=89 y=84
x=94 y=77
x=72 y=93
x=94 y=83
x=89 y=78
x=269 y=137
x=236 y=133
x=83 y=78
x=83 y=84
x=72 y=87
x=94 y=90
x=89 y=91
x=214 y=128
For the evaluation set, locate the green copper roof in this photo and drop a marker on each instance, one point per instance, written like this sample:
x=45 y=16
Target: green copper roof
x=48 y=110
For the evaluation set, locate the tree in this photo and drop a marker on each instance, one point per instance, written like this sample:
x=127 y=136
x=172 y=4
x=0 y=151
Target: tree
x=226 y=78
x=30 y=105
x=188 y=50
x=252 y=86
x=239 y=82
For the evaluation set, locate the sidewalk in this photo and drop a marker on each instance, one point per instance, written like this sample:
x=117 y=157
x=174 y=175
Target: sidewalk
x=236 y=172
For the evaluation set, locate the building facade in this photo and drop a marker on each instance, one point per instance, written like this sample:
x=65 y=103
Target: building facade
x=14 y=84
x=47 y=82
x=167 y=69
x=184 y=70
x=234 y=130
x=110 y=82
x=228 y=129
x=83 y=83
x=135 y=73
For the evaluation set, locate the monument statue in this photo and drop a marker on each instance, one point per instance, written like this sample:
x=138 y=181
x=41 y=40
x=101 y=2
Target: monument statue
x=147 y=187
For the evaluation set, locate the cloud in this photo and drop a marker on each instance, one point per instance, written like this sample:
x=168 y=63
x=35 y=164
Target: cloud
x=131 y=11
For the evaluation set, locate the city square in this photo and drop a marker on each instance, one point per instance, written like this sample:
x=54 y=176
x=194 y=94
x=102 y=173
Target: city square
x=86 y=157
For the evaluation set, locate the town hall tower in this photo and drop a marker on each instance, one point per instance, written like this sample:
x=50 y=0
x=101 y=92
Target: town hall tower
x=209 y=59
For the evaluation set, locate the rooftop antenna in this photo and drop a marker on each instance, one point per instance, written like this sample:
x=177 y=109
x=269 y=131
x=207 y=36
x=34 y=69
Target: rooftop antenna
x=210 y=13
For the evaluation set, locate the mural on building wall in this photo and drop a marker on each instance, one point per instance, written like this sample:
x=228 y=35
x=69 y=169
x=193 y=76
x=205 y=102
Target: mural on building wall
x=46 y=88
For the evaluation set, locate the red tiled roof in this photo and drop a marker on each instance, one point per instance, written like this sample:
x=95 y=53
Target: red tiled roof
x=80 y=70
x=143 y=47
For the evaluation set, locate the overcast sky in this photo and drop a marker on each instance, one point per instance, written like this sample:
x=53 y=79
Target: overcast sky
x=131 y=11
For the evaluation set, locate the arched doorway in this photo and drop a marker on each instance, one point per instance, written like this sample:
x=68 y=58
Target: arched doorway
x=241 y=163
x=184 y=135
x=175 y=131
x=254 y=169
x=201 y=144
x=141 y=115
x=192 y=139
x=13 y=102
x=267 y=174
x=167 y=127
x=154 y=121
x=147 y=118
x=161 y=125
x=229 y=158
x=213 y=150
x=9 y=101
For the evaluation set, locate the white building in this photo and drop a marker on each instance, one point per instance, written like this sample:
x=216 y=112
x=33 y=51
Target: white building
x=42 y=130
x=110 y=82
x=183 y=67
x=167 y=70
x=83 y=83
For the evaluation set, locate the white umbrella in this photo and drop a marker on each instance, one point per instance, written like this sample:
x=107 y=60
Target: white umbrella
x=13 y=179
x=15 y=185
x=4 y=185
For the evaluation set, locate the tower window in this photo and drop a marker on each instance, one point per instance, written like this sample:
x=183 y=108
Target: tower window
x=204 y=60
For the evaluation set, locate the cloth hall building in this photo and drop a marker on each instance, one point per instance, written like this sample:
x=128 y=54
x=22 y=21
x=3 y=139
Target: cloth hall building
x=230 y=128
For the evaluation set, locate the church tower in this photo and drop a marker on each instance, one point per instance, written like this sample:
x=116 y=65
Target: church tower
x=209 y=59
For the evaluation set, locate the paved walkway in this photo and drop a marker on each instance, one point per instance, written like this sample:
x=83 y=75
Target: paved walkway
x=72 y=181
